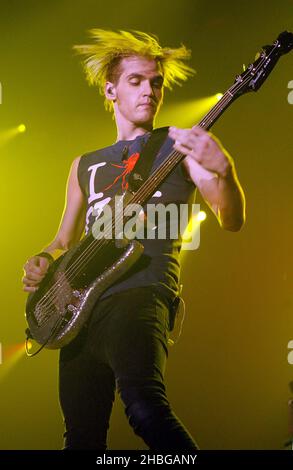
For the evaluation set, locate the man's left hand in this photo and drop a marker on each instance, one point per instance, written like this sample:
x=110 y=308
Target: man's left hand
x=203 y=147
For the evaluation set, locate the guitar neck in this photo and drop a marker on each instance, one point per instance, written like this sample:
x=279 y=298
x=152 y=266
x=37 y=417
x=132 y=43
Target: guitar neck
x=152 y=183
x=213 y=115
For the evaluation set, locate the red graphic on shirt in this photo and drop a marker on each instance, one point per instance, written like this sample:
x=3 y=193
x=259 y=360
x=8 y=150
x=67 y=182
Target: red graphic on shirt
x=128 y=166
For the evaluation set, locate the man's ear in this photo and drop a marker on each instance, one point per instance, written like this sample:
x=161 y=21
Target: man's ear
x=110 y=91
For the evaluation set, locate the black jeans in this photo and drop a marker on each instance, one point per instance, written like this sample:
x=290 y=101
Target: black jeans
x=124 y=345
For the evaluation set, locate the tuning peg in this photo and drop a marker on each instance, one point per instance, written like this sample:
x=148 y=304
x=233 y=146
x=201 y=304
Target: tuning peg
x=238 y=79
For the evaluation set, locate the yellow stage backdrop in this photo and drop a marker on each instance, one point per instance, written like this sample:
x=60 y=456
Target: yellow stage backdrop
x=228 y=377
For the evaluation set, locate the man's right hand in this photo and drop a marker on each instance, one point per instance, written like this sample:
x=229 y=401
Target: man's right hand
x=35 y=269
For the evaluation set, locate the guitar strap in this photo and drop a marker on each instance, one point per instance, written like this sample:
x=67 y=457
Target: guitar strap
x=145 y=162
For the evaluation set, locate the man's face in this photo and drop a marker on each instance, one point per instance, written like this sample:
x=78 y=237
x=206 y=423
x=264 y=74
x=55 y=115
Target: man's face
x=139 y=89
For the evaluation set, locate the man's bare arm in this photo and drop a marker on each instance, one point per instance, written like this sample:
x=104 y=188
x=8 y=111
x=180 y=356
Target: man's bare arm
x=224 y=195
x=73 y=217
x=213 y=171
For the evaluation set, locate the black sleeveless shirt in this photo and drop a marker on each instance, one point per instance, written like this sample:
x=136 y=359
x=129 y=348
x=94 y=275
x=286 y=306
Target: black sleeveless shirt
x=101 y=174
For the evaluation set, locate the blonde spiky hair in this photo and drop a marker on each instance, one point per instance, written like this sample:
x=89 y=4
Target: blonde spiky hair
x=102 y=59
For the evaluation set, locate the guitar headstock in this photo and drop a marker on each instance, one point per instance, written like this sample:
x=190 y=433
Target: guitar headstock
x=257 y=72
x=285 y=42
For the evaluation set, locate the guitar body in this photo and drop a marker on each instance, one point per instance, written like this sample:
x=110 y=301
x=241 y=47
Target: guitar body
x=57 y=311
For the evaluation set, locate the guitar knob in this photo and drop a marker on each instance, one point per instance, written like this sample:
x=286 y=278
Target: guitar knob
x=71 y=308
x=76 y=294
x=137 y=176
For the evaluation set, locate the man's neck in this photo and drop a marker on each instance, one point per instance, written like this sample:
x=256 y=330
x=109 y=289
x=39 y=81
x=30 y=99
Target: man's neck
x=129 y=131
x=132 y=133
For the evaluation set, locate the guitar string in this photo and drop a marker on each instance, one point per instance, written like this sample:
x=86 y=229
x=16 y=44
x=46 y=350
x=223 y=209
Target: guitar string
x=87 y=254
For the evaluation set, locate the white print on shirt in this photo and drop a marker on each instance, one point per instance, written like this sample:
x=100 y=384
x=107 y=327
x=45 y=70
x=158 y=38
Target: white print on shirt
x=92 y=194
x=97 y=208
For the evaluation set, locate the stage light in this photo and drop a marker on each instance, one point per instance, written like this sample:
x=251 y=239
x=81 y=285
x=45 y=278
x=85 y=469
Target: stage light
x=187 y=113
x=21 y=128
x=201 y=216
x=193 y=224
x=191 y=235
x=9 y=134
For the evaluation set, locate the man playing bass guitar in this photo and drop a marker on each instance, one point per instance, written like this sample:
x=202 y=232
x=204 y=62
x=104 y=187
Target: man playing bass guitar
x=125 y=343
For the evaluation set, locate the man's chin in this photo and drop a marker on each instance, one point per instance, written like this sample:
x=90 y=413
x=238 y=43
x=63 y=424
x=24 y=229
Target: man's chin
x=146 y=119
